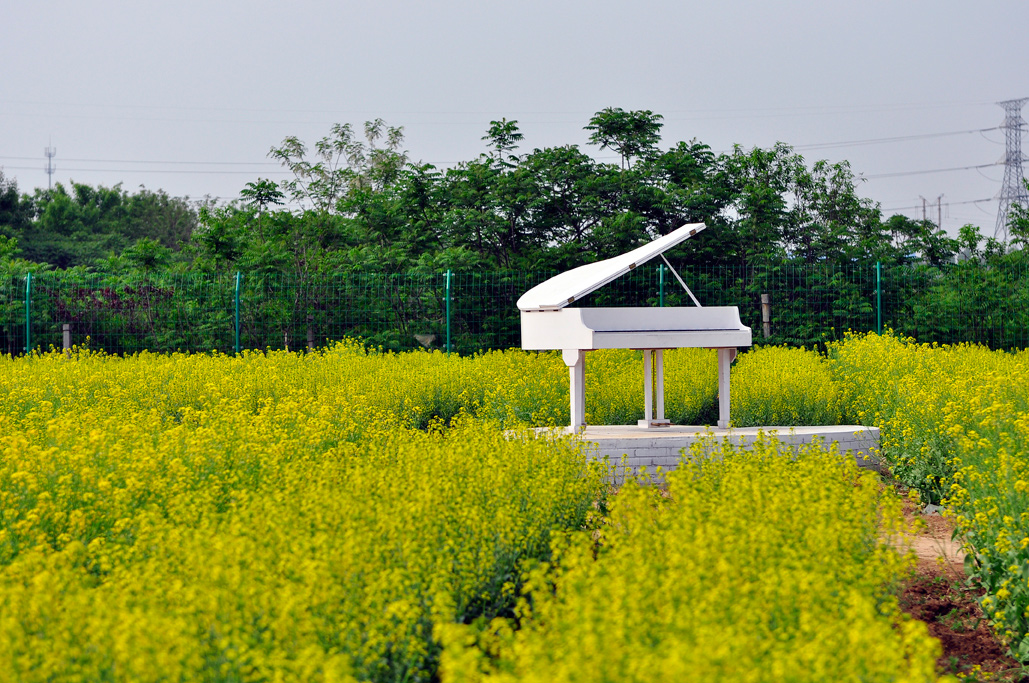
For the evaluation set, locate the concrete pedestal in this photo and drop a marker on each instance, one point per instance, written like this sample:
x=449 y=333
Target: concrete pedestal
x=662 y=448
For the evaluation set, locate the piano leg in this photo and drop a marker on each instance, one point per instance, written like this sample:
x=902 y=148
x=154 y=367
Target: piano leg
x=575 y=359
x=725 y=358
x=659 y=387
x=648 y=387
x=653 y=395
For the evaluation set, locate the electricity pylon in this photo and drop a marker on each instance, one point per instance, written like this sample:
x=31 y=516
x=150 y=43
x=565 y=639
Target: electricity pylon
x=1013 y=190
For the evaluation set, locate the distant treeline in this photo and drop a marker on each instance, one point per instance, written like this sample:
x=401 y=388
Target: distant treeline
x=356 y=203
x=97 y=228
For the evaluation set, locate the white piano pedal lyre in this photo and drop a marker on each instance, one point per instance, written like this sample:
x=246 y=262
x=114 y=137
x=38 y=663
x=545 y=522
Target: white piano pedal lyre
x=548 y=323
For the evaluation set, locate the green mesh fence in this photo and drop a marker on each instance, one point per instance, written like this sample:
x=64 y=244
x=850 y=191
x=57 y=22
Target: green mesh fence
x=806 y=305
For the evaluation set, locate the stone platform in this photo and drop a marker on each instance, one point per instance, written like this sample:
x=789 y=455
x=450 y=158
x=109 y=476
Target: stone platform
x=653 y=448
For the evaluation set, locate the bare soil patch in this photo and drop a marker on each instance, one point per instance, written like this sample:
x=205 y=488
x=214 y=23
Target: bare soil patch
x=939 y=595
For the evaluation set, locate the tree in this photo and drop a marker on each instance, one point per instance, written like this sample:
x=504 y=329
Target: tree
x=82 y=225
x=148 y=255
x=220 y=235
x=685 y=184
x=263 y=193
x=969 y=239
x=471 y=219
x=157 y=216
x=343 y=163
x=569 y=194
x=936 y=246
x=346 y=197
x=830 y=222
x=394 y=225
x=15 y=214
x=78 y=227
x=1018 y=223
x=380 y=166
x=760 y=181
x=503 y=138
x=630 y=133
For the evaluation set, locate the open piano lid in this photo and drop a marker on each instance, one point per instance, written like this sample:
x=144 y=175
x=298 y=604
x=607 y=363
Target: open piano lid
x=572 y=285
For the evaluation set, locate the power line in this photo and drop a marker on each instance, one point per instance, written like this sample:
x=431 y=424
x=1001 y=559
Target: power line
x=992 y=180
x=817 y=108
x=175 y=113
x=873 y=176
x=276 y=164
x=926 y=172
x=900 y=138
x=919 y=206
x=132 y=161
x=152 y=170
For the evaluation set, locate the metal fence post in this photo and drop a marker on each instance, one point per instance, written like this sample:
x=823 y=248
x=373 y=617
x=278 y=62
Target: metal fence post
x=448 y=312
x=879 y=297
x=239 y=280
x=766 y=315
x=28 y=313
x=661 y=284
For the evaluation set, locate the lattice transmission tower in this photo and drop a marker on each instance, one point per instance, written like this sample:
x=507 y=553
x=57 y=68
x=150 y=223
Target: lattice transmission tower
x=1013 y=190
x=50 y=153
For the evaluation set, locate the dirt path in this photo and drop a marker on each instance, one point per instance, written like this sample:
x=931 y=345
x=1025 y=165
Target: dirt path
x=934 y=544
x=939 y=595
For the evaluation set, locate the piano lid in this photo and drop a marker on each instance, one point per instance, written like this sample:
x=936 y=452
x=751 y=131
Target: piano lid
x=572 y=285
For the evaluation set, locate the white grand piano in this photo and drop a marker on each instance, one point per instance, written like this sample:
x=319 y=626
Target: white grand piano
x=547 y=324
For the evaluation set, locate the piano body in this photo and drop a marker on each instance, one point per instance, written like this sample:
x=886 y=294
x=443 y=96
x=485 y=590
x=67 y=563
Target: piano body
x=548 y=324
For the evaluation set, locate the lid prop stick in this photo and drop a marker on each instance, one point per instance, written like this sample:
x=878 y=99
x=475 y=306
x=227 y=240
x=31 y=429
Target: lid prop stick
x=680 y=280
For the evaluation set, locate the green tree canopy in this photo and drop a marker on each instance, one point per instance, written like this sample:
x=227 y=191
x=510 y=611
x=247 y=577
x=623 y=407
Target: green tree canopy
x=630 y=133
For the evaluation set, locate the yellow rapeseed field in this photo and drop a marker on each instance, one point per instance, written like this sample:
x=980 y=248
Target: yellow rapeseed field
x=771 y=386
x=955 y=425
x=753 y=566
x=532 y=388
x=268 y=517
x=345 y=514
x=780 y=386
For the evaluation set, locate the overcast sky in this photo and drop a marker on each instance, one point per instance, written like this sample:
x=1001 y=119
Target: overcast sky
x=189 y=96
